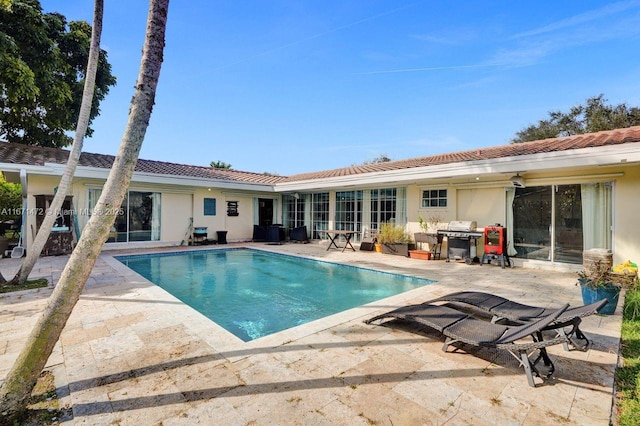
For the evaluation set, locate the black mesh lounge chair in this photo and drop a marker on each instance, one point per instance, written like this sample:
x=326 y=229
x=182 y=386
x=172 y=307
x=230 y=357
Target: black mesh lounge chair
x=504 y=309
x=458 y=326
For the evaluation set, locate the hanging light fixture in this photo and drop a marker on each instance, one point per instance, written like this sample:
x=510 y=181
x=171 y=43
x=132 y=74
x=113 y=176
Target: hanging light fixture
x=517 y=181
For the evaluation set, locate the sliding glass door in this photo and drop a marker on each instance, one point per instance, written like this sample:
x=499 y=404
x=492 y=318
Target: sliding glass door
x=139 y=219
x=557 y=223
x=567 y=230
x=144 y=216
x=532 y=222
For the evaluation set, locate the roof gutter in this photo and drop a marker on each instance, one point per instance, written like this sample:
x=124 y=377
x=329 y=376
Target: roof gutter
x=559 y=160
x=154 y=178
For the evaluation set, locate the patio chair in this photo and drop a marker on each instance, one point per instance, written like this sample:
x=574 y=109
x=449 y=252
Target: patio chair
x=368 y=240
x=502 y=309
x=458 y=326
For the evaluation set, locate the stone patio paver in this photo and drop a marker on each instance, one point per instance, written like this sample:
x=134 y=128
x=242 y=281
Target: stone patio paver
x=131 y=354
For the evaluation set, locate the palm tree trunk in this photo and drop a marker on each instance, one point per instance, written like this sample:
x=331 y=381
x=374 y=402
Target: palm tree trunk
x=74 y=156
x=46 y=332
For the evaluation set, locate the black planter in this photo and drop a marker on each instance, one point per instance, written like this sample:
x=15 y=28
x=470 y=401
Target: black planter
x=399 y=249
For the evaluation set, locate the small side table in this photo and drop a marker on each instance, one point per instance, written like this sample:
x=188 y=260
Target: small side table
x=199 y=238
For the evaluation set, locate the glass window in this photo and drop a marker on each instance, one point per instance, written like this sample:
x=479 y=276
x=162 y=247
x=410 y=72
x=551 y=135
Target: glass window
x=380 y=206
x=434 y=198
x=320 y=214
x=293 y=210
x=94 y=195
x=209 y=206
x=348 y=210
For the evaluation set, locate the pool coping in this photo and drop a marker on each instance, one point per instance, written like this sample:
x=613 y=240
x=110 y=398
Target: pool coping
x=222 y=340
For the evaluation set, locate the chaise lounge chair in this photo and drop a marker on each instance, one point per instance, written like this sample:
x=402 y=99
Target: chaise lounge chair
x=504 y=309
x=458 y=326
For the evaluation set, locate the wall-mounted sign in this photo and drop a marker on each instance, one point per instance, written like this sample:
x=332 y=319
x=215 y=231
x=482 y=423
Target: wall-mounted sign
x=232 y=208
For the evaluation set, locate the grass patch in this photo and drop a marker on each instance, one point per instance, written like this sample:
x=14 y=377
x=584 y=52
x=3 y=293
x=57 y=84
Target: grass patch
x=628 y=376
x=44 y=408
x=30 y=284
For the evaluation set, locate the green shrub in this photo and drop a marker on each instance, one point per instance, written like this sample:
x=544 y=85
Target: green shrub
x=10 y=200
x=392 y=234
x=632 y=302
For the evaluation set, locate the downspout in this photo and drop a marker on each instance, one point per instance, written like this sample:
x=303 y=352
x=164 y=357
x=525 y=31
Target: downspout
x=23 y=184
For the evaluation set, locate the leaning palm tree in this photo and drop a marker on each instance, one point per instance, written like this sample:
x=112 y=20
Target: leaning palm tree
x=74 y=156
x=23 y=375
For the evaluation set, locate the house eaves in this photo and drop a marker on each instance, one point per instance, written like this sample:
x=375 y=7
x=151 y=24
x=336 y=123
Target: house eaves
x=52 y=161
x=607 y=155
x=159 y=179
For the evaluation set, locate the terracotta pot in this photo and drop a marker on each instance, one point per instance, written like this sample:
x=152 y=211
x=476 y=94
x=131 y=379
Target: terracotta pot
x=420 y=254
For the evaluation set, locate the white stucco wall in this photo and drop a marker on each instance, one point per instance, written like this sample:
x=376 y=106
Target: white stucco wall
x=484 y=204
x=626 y=217
x=487 y=205
x=239 y=228
x=174 y=219
x=37 y=185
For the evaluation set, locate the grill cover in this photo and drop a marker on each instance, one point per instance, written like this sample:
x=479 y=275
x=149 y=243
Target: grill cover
x=462 y=226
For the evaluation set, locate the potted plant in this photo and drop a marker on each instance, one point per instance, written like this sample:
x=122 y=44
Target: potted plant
x=394 y=239
x=430 y=235
x=598 y=282
x=430 y=227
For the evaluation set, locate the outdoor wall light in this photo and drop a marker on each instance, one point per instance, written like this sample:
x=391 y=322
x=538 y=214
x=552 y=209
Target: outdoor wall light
x=517 y=181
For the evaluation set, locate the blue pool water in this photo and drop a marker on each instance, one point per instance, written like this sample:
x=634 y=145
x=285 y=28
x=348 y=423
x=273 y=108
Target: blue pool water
x=252 y=293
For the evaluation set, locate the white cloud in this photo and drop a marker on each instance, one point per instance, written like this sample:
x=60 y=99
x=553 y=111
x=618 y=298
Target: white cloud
x=582 y=18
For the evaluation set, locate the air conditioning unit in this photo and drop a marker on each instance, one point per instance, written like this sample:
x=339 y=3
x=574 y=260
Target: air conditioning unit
x=517 y=181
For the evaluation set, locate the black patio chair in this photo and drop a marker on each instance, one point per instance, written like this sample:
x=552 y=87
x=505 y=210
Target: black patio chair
x=502 y=309
x=458 y=326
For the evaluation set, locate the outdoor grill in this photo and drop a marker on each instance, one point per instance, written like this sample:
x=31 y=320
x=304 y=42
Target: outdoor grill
x=462 y=240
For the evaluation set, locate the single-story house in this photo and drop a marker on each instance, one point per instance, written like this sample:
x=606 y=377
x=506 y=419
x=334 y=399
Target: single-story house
x=556 y=197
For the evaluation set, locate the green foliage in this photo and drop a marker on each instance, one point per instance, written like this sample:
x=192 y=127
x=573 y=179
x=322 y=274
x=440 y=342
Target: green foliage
x=392 y=234
x=628 y=375
x=10 y=199
x=220 y=165
x=432 y=221
x=29 y=285
x=600 y=275
x=632 y=301
x=43 y=60
x=382 y=158
x=594 y=116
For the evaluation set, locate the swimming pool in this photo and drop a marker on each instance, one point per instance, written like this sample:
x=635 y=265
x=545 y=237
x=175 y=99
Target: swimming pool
x=252 y=293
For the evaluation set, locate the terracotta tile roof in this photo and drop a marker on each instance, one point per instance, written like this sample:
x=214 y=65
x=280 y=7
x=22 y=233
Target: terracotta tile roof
x=588 y=140
x=38 y=156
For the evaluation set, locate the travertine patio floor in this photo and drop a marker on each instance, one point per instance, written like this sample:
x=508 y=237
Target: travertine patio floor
x=131 y=354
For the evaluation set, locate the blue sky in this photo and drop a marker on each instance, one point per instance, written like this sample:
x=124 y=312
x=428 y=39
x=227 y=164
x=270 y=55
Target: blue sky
x=287 y=87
